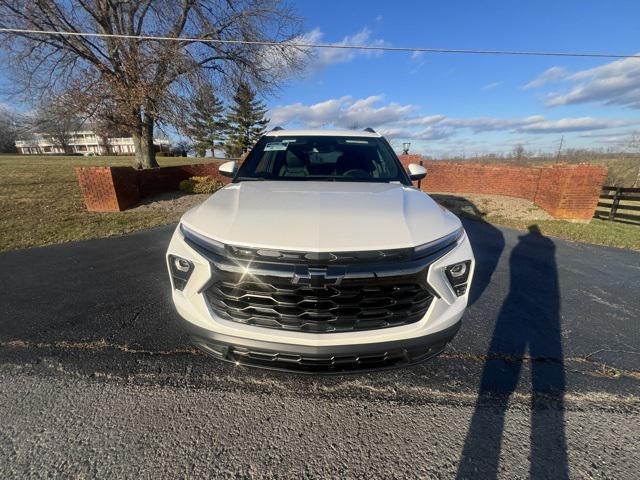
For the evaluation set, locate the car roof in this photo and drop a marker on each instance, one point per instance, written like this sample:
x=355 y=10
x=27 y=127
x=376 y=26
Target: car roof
x=322 y=133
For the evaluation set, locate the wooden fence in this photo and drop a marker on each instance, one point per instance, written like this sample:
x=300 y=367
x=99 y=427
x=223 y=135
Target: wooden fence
x=619 y=204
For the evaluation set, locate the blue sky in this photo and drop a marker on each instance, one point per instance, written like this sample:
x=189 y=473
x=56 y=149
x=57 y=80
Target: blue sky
x=465 y=104
x=471 y=104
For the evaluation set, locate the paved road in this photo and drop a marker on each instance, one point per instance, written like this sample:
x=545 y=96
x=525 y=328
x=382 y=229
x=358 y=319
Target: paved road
x=96 y=379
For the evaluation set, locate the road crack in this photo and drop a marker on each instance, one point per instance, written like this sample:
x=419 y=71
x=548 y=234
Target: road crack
x=97 y=345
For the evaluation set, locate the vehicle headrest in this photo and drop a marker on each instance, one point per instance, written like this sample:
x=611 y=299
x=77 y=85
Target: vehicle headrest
x=293 y=160
x=347 y=161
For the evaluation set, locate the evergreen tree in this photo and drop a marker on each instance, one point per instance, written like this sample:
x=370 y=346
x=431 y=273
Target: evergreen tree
x=246 y=121
x=205 y=124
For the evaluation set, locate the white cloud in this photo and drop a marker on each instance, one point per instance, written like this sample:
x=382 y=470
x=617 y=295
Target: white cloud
x=620 y=140
x=273 y=57
x=344 y=112
x=627 y=134
x=491 y=86
x=423 y=120
x=400 y=121
x=419 y=59
x=485 y=124
x=429 y=133
x=572 y=125
x=552 y=74
x=433 y=133
x=615 y=83
x=395 y=132
x=315 y=115
x=328 y=56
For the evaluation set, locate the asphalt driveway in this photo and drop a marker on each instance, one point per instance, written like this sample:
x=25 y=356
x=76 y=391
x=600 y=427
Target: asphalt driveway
x=97 y=379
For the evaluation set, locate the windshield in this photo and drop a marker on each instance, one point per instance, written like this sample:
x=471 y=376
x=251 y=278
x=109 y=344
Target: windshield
x=327 y=158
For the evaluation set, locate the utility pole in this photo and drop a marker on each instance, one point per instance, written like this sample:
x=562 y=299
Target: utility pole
x=559 y=149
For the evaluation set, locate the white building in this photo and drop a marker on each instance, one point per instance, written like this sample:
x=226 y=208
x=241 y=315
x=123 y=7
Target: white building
x=84 y=142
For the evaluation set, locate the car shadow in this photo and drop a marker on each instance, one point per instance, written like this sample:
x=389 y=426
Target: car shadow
x=529 y=321
x=486 y=240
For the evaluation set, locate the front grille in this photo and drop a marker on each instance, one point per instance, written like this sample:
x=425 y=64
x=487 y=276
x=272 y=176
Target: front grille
x=276 y=302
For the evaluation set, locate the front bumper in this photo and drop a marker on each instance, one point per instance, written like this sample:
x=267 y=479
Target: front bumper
x=327 y=352
x=321 y=359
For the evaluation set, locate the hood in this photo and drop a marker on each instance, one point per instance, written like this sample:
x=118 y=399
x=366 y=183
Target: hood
x=321 y=216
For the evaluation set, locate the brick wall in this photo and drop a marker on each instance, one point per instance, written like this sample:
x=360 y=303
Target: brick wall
x=565 y=191
x=108 y=189
x=570 y=191
x=167 y=179
x=113 y=189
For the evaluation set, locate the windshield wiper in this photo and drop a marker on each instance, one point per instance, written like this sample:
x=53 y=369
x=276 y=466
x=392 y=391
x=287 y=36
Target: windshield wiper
x=250 y=179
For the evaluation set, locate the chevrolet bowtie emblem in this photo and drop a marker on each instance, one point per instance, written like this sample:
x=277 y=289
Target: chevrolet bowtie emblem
x=318 y=277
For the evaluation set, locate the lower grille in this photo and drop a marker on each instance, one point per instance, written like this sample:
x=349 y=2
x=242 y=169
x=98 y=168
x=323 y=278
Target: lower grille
x=278 y=303
x=321 y=363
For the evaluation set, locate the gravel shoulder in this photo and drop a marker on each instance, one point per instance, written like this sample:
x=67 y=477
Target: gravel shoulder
x=476 y=205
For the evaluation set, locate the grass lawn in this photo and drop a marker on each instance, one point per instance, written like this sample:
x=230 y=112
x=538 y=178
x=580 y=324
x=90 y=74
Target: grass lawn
x=600 y=232
x=519 y=214
x=40 y=204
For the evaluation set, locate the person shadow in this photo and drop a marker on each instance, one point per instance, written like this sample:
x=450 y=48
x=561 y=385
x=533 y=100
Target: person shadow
x=529 y=321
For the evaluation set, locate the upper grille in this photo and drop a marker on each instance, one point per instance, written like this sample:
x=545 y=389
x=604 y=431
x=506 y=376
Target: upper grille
x=319 y=291
x=277 y=302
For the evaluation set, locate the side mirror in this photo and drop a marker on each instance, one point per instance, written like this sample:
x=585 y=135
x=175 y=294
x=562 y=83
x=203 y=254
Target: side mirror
x=416 y=172
x=228 y=169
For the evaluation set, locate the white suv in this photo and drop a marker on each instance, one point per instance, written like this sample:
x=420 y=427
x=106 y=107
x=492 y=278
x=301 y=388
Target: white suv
x=320 y=256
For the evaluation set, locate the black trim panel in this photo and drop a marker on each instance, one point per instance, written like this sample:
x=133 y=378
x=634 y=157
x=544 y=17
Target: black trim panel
x=321 y=359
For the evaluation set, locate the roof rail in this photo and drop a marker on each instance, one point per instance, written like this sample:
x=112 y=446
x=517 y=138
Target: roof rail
x=370 y=130
x=276 y=129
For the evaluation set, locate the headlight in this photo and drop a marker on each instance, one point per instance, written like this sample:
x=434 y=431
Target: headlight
x=458 y=275
x=438 y=245
x=181 y=269
x=195 y=239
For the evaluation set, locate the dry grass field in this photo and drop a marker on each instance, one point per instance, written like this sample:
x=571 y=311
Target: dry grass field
x=41 y=203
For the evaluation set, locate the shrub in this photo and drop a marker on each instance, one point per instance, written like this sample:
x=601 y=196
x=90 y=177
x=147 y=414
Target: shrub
x=201 y=185
x=186 y=185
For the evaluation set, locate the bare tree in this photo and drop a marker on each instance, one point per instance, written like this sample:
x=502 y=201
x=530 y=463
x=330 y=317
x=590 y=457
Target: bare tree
x=634 y=146
x=104 y=131
x=13 y=125
x=182 y=147
x=518 y=152
x=140 y=83
x=57 y=119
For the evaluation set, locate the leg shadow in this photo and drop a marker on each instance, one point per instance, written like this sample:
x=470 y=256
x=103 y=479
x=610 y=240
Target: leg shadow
x=528 y=321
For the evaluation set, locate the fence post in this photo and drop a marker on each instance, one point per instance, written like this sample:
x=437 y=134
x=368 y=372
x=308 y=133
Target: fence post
x=616 y=202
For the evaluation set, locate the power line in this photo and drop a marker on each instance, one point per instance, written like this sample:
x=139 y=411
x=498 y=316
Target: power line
x=294 y=44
